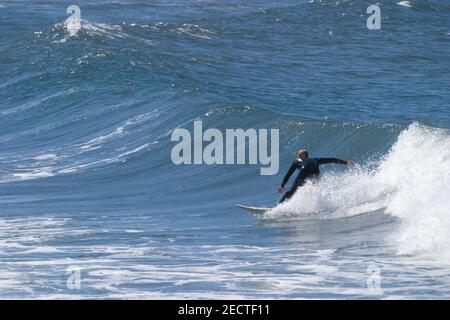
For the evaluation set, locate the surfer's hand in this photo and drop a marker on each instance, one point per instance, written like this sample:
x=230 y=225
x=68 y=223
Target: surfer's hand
x=350 y=163
x=281 y=189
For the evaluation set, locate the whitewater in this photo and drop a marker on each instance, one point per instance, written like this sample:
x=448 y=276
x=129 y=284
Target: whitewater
x=411 y=182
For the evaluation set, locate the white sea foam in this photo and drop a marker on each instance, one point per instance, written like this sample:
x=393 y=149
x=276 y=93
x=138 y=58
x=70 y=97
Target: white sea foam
x=143 y=271
x=106 y=269
x=47 y=156
x=91 y=28
x=54 y=162
x=36 y=173
x=195 y=31
x=405 y=4
x=72 y=29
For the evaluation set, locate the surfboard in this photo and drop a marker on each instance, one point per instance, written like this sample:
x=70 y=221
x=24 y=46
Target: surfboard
x=257 y=210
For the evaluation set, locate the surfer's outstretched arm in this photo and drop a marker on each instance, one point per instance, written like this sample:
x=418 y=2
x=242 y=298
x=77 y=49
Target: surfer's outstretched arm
x=334 y=160
x=288 y=174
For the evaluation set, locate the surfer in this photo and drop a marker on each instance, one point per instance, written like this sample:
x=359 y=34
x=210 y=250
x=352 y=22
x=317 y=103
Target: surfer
x=308 y=169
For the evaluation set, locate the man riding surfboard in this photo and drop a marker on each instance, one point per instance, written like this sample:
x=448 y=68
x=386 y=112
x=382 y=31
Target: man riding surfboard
x=308 y=169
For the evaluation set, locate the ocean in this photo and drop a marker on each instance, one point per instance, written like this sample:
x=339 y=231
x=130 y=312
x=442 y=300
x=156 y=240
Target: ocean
x=93 y=207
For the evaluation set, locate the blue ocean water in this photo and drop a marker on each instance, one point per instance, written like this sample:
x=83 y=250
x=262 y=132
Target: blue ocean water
x=87 y=182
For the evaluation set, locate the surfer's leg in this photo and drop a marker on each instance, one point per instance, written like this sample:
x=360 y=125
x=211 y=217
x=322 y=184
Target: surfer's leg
x=288 y=194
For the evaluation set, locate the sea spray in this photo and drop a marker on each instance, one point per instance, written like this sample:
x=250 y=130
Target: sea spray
x=418 y=165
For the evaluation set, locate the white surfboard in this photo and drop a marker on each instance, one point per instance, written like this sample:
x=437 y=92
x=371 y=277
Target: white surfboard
x=257 y=210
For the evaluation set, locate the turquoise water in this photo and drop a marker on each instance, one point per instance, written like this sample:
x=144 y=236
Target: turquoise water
x=87 y=182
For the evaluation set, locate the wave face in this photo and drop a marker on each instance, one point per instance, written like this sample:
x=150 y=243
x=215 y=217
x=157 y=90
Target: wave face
x=86 y=179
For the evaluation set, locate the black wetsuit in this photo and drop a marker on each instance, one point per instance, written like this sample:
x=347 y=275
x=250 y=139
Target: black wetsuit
x=309 y=169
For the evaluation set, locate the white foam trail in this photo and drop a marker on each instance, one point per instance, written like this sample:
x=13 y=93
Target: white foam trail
x=47 y=156
x=195 y=31
x=42 y=172
x=412 y=183
x=336 y=196
x=72 y=27
x=405 y=4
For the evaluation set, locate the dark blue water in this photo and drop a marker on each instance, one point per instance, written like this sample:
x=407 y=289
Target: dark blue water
x=86 y=177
